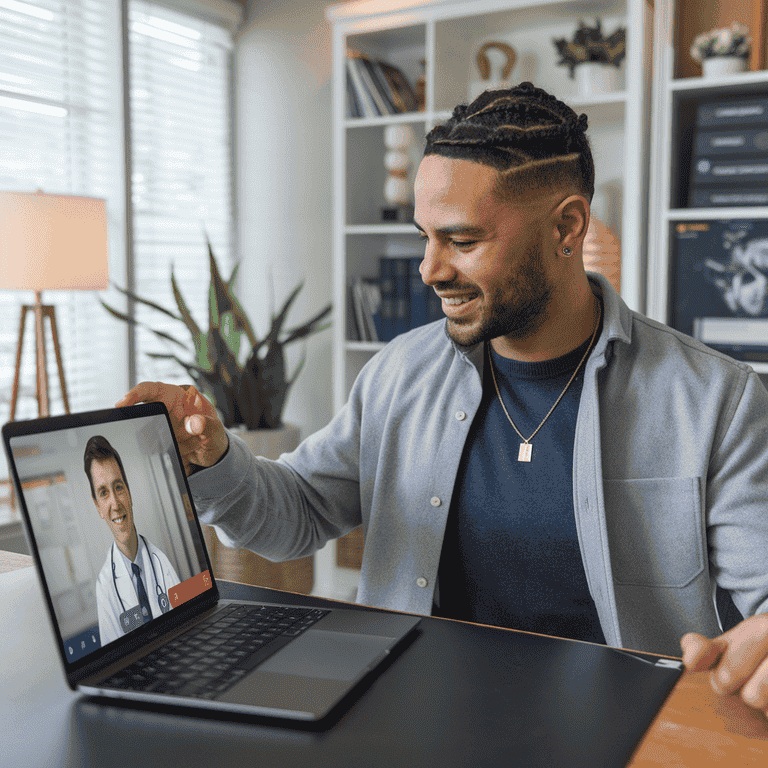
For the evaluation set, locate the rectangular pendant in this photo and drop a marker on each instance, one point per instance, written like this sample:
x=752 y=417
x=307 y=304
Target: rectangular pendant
x=524 y=454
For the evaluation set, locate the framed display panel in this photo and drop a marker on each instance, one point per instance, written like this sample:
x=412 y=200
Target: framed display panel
x=719 y=286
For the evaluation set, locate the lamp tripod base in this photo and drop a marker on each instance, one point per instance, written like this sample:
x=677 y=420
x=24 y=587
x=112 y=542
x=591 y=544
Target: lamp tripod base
x=41 y=313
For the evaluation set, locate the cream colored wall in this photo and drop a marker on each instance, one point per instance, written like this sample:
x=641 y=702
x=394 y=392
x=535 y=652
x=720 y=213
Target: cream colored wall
x=283 y=177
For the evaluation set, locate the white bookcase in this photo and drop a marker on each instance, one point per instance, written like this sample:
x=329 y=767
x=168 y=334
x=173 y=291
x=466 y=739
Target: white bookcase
x=677 y=91
x=446 y=35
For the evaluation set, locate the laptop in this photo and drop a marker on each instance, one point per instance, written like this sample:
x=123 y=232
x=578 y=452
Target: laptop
x=104 y=491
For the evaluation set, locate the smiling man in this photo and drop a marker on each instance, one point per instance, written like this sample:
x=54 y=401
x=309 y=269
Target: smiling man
x=544 y=458
x=133 y=583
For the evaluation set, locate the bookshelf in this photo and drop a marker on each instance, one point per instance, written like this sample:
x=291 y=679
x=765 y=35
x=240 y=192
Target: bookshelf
x=679 y=90
x=445 y=35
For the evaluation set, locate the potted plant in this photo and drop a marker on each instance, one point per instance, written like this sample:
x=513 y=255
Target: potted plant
x=593 y=58
x=722 y=51
x=247 y=382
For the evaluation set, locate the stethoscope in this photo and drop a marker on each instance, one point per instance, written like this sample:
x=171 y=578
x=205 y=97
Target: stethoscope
x=161 y=594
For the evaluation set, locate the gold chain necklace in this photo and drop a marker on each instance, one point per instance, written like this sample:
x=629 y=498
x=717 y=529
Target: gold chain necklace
x=526 y=448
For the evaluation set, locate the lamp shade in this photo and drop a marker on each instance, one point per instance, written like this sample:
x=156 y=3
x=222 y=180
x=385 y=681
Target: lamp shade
x=52 y=242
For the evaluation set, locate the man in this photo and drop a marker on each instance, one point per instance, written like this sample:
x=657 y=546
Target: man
x=132 y=587
x=544 y=458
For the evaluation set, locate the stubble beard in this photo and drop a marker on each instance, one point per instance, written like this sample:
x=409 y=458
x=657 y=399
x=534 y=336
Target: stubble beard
x=516 y=319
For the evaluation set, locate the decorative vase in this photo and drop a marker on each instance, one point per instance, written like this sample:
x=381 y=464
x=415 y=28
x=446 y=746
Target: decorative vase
x=601 y=252
x=594 y=78
x=247 y=567
x=718 y=66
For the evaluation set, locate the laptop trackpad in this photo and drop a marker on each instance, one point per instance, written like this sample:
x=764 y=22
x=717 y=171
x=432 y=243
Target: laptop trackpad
x=327 y=655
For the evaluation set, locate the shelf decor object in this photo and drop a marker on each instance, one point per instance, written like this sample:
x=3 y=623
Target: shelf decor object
x=49 y=242
x=722 y=51
x=398 y=140
x=487 y=81
x=593 y=59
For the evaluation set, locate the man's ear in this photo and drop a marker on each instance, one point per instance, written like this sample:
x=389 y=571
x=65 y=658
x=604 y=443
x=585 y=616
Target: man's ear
x=571 y=222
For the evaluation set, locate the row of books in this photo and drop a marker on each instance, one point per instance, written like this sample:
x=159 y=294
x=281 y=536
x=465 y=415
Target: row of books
x=377 y=88
x=729 y=163
x=395 y=302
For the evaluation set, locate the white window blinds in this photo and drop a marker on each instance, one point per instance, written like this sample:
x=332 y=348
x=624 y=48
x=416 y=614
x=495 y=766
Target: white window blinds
x=180 y=97
x=60 y=131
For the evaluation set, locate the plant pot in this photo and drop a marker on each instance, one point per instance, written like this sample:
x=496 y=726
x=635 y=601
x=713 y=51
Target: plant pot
x=718 y=66
x=247 y=567
x=270 y=443
x=594 y=78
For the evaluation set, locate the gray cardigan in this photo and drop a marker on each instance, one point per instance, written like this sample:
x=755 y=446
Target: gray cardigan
x=670 y=477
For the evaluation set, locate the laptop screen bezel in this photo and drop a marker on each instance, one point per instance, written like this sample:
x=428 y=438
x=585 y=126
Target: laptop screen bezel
x=101 y=658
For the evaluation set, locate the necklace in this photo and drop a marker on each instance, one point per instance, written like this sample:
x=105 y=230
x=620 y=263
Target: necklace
x=526 y=448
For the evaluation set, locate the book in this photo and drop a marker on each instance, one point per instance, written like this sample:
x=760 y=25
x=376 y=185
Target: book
x=713 y=197
x=733 y=111
x=364 y=99
x=716 y=170
x=741 y=141
x=401 y=86
x=366 y=305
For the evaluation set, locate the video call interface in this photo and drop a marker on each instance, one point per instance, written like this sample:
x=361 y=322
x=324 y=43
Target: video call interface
x=113 y=525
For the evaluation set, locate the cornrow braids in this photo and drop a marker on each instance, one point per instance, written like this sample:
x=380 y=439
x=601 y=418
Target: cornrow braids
x=530 y=137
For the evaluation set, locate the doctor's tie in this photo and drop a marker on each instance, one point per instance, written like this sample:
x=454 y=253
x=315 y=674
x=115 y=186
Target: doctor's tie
x=146 y=611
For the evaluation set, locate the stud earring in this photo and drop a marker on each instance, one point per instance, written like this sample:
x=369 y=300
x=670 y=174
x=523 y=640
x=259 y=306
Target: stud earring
x=567 y=251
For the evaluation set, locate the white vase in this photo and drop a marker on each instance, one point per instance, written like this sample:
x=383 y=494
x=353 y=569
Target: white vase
x=594 y=78
x=270 y=443
x=718 y=66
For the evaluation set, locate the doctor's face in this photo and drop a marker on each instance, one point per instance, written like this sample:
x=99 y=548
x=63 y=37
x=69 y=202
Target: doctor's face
x=113 y=499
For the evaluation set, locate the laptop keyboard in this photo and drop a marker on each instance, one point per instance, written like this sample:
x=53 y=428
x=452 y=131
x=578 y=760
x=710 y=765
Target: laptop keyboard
x=210 y=658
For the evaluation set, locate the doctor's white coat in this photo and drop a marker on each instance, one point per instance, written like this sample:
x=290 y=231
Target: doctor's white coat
x=108 y=589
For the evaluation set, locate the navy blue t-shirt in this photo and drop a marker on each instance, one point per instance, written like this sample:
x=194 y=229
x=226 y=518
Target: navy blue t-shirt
x=511 y=555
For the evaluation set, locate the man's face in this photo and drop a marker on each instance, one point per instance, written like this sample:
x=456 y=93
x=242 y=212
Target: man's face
x=483 y=255
x=113 y=499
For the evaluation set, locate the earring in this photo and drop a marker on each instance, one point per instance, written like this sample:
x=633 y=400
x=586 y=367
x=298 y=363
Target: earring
x=567 y=251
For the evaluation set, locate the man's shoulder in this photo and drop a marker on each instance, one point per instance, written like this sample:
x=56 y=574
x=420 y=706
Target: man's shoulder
x=661 y=343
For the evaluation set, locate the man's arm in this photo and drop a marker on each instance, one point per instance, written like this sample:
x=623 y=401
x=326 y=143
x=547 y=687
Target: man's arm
x=282 y=510
x=737 y=520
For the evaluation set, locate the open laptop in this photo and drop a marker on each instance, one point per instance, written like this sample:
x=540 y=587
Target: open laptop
x=159 y=632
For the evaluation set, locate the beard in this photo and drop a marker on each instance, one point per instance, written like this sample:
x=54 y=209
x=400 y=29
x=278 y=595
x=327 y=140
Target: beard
x=515 y=310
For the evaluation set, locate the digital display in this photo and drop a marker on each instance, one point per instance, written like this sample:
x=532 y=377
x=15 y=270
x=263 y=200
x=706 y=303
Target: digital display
x=114 y=527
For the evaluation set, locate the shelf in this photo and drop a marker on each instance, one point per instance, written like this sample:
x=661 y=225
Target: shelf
x=714 y=214
x=380 y=229
x=598 y=100
x=758 y=367
x=402 y=117
x=368 y=346
x=744 y=82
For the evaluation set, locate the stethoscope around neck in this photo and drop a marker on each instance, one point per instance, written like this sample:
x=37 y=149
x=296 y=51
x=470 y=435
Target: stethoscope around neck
x=160 y=594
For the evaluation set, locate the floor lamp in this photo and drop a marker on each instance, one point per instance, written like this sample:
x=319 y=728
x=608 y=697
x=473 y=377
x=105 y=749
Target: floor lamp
x=49 y=242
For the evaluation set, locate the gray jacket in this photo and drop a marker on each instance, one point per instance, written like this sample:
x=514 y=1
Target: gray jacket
x=670 y=477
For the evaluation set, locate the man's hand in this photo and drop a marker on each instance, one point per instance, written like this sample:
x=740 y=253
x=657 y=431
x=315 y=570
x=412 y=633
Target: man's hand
x=738 y=660
x=199 y=432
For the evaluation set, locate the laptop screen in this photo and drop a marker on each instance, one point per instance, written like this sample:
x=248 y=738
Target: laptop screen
x=115 y=532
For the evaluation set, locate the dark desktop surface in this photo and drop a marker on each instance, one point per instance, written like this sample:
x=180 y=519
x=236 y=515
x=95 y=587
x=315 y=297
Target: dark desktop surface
x=454 y=695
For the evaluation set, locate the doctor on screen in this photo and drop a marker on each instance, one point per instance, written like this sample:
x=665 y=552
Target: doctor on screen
x=132 y=587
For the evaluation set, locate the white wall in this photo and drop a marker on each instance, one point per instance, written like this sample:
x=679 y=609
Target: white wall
x=283 y=176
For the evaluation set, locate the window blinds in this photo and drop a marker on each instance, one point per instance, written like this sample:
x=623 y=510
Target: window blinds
x=180 y=103
x=60 y=131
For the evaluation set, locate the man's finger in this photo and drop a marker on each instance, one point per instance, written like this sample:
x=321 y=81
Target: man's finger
x=747 y=647
x=755 y=691
x=699 y=652
x=195 y=425
x=145 y=392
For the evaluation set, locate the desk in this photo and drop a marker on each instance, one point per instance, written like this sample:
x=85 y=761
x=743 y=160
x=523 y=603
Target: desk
x=694 y=728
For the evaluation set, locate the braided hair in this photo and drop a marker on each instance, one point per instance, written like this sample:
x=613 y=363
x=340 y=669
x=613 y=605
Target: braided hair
x=525 y=133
